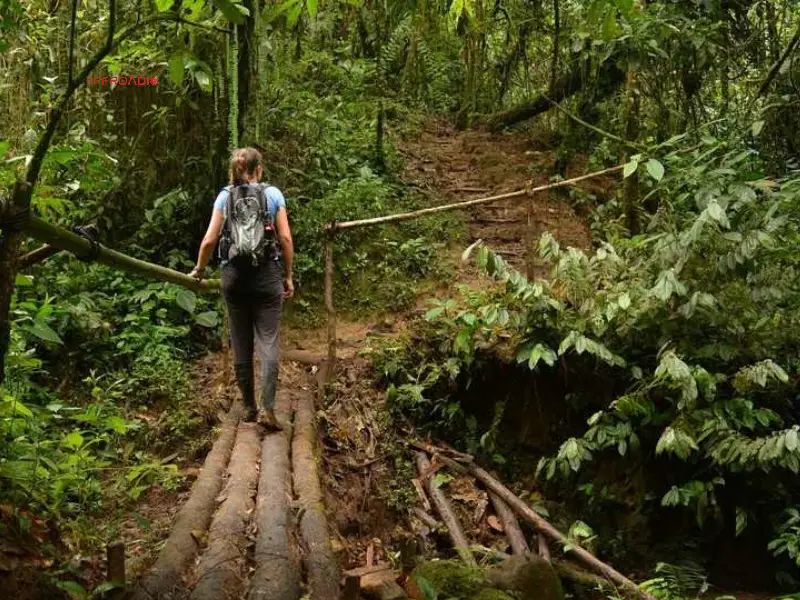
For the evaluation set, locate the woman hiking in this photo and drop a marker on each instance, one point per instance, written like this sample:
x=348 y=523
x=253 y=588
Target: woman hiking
x=250 y=223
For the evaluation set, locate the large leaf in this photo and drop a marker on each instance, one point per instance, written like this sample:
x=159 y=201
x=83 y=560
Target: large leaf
x=186 y=300
x=231 y=12
x=312 y=8
x=630 y=168
x=163 y=5
x=207 y=319
x=43 y=331
x=656 y=169
x=176 y=66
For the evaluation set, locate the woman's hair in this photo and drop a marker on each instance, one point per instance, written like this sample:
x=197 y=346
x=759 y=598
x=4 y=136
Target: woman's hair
x=244 y=162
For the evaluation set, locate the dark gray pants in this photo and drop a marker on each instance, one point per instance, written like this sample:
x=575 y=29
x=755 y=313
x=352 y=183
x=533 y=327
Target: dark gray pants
x=254 y=297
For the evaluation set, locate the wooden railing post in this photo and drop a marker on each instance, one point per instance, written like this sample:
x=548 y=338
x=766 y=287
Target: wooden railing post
x=330 y=231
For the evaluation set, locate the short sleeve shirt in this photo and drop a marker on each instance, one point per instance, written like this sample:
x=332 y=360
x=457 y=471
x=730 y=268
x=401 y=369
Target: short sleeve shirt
x=275 y=199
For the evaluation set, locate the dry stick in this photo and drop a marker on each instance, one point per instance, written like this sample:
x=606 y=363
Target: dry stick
x=277 y=574
x=222 y=567
x=425 y=517
x=164 y=578
x=544 y=528
x=446 y=512
x=544 y=551
x=334 y=226
x=514 y=534
x=323 y=574
x=36 y=256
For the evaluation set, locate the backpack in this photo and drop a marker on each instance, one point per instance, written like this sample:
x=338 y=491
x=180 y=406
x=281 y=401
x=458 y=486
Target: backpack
x=248 y=235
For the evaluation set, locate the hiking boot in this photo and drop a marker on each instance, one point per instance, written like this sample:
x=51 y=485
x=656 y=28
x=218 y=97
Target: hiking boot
x=267 y=419
x=250 y=414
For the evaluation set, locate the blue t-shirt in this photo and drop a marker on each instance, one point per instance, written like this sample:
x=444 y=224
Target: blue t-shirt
x=275 y=199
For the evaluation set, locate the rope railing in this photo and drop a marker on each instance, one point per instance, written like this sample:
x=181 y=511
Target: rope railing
x=332 y=228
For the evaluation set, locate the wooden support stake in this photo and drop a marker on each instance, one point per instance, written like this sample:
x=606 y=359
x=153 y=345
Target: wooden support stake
x=446 y=512
x=115 y=556
x=329 y=304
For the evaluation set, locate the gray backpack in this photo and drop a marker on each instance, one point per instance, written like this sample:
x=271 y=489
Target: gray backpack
x=248 y=235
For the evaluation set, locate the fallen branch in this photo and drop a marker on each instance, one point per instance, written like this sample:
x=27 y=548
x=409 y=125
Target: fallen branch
x=36 y=256
x=510 y=524
x=446 y=513
x=425 y=517
x=543 y=527
x=434 y=450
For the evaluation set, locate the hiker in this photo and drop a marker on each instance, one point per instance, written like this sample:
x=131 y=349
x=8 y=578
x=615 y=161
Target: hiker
x=250 y=222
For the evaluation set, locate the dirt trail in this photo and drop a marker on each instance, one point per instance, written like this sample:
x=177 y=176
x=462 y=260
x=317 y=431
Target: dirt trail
x=455 y=165
x=268 y=531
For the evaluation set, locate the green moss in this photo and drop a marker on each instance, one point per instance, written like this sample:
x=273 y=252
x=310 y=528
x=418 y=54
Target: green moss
x=451 y=578
x=491 y=594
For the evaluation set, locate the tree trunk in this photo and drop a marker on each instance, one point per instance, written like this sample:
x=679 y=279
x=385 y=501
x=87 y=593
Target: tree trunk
x=246 y=34
x=556 y=35
x=631 y=189
x=567 y=85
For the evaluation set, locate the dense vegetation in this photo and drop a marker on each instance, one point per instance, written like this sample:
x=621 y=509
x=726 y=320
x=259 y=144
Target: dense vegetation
x=668 y=353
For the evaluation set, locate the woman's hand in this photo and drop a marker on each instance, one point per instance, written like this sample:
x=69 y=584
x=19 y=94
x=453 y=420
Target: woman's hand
x=288 y=288
x=198 y=273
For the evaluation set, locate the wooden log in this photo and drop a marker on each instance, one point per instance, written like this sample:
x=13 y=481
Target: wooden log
x=277 y=574
x=513 y=532
x=221 y=570
x=164 y=580
x=543 y=527
x=446 y=513
x=334 y=226
x=323 y=574
x=71 y=242
x=115 y=559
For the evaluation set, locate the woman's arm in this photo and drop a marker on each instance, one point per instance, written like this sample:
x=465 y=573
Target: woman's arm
x=287 y=249
x=207 y=245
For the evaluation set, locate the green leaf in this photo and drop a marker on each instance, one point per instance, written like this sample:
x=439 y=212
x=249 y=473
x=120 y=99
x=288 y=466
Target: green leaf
x=104 y=587
x=624 y=301
x=230 y=10
x=757 y=127
x=656 y=169
x=312 y=8
x=187 y=300
x=73 y=587
x=294 y=15
x=440 y=479
x=426 y=587
x=610 y=27
x=4 y=145
x=203 y=80
x=210 y=318
x=163 y=5
x=630 y=168
x=625 y=6
x=73 y=440
x=43 y=331
x=741 y=520
x=176 y=68
x=23 y=280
